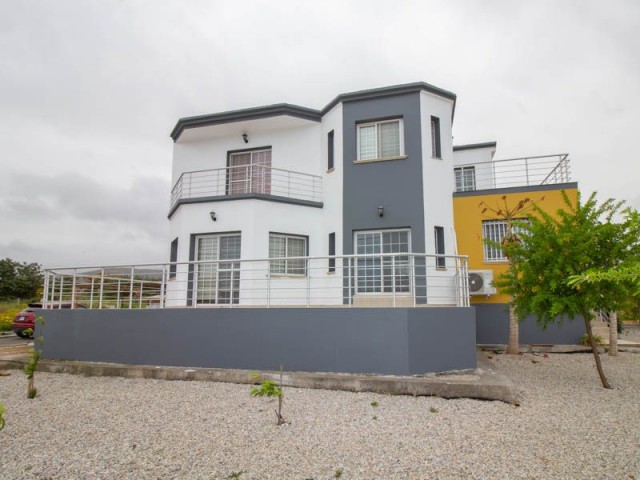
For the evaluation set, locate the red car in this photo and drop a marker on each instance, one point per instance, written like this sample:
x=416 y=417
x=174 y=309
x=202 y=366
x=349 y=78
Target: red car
x=26 y=319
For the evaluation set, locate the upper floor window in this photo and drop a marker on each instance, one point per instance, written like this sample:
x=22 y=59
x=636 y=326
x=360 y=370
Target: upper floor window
x=330 y=136
x=379 y=140
x=436 y=150
x=283 y=246
x=438 y=233
x=249 y=172
x=465 y=179
x=495 y=231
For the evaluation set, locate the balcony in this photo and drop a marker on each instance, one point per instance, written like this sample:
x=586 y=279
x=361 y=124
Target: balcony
x=514 y=172
x=372 y=280
x=244 y=181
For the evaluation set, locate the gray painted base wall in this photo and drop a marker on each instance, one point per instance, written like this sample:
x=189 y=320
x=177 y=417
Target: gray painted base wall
x=395 y=341
x=492 y=327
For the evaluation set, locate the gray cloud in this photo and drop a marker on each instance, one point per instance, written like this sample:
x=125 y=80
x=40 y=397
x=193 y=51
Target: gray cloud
x=89 y=92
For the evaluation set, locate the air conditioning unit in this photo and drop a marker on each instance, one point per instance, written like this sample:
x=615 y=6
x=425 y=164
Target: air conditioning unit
x=481 y=282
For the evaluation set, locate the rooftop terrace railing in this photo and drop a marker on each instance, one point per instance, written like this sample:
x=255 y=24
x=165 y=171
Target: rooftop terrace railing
x=377 y=280
x=514 y=172
x=247 y=179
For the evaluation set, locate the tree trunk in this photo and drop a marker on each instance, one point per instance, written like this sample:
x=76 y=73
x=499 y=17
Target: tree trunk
x=594 y=349
x=613 y=334
x=513 y=347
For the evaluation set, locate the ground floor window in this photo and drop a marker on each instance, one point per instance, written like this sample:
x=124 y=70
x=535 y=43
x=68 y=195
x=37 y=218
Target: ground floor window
x=281 y=246
x=217 y=277
x=495 y=231
x=376 y=274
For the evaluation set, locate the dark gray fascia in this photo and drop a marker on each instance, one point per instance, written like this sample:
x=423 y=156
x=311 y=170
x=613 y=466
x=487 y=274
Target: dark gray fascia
x=304 y=112
x=474 y=146
x=386 y=91
x=529 y=188
x=245 y=196
x=244 y=114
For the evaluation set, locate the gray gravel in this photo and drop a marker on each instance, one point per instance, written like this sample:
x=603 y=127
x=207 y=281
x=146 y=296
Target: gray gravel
x=111 y=428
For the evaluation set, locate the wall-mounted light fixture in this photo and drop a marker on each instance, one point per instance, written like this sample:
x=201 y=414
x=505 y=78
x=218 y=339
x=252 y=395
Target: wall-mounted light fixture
x=381 y=211
x=245 y=137
x=212 y=214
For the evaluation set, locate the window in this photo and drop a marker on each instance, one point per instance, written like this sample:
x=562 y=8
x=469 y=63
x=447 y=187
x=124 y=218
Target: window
x=281 y=246
x=217 y=280
x=435 y=138
x=376 y=274
x=330 y=150
x=438 y=232
x=380 y=140
x=332 y=252
x=465 y=179
x=173 y=257
x=495 y=231
x=249 y=172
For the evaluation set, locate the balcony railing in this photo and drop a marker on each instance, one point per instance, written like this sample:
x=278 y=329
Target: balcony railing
x=514 y=172
x=381 y=280
x=247 y=179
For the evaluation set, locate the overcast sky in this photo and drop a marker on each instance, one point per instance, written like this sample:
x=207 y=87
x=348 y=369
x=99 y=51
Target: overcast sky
x=90 y=90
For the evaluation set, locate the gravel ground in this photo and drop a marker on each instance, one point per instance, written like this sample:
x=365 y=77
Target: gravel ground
x=112 y=428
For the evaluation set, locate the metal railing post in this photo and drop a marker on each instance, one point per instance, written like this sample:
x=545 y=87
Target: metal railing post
x=61 y=289
x=45 y=289
x=91 y=292
x=162 y=285
x=118 y=294
x=393 y=277
x=349 y=269
x=101 y=287
x=413 y=281
x=73 y=288
x=131 y=289
x=141 y=292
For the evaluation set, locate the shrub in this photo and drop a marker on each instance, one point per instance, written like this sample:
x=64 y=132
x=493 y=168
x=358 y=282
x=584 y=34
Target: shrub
x=584 y=341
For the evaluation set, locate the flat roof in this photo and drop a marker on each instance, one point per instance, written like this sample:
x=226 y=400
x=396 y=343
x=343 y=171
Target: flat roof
x=474 y=146
x=304 y=112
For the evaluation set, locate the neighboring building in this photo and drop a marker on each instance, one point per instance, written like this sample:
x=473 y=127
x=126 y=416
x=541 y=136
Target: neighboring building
x=499 y=184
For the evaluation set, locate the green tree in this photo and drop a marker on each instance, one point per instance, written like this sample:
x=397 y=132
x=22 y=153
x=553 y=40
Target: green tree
x=578 y=239
x=510 y=215
x=19 y=280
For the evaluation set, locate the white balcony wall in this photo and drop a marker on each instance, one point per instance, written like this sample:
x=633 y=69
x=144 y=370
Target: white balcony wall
x=481 y=158
x=295 y=145
x=439 y=184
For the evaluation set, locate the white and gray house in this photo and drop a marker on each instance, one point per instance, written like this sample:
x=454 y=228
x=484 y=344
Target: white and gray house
x=370 y=173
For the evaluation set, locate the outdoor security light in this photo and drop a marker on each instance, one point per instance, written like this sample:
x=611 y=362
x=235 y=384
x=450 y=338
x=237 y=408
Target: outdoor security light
x=381 y=211
x=212 y=214
x=245 y=137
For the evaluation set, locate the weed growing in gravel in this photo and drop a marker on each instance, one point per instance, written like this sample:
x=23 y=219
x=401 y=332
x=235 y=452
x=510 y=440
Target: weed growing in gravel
x=433 y=410
x=235 y=475
x=337 y=473
x=375 y=417
x=31 y=366
x=2 y=410
x=374 y=404
x=270 y=389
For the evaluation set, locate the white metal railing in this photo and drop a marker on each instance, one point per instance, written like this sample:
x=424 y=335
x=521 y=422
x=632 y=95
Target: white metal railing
x=378 y=280
x=247 y=179
x=514 y=172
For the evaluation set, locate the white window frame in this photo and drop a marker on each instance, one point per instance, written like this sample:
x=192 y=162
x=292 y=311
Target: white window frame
x=491 y=253
x=218 y=267
x=287 y=263
x=377 y=124
x=459 y=172
x=408 y=264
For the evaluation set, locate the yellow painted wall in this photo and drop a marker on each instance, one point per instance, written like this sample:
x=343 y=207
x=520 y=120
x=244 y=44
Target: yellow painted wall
x=468 y=219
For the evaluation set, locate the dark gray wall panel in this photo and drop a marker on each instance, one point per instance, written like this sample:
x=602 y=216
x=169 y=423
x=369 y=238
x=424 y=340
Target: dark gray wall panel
x=396 y=184
x=397 y=341
x=492 y=327
x=444 y=339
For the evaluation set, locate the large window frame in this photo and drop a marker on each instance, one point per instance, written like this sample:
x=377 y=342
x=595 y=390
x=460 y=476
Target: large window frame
x=465 y=179
x=377 y=128
x=291 y=246
x=495 y=231
x=383 y=275
x=249 y=171
x=217 y=277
